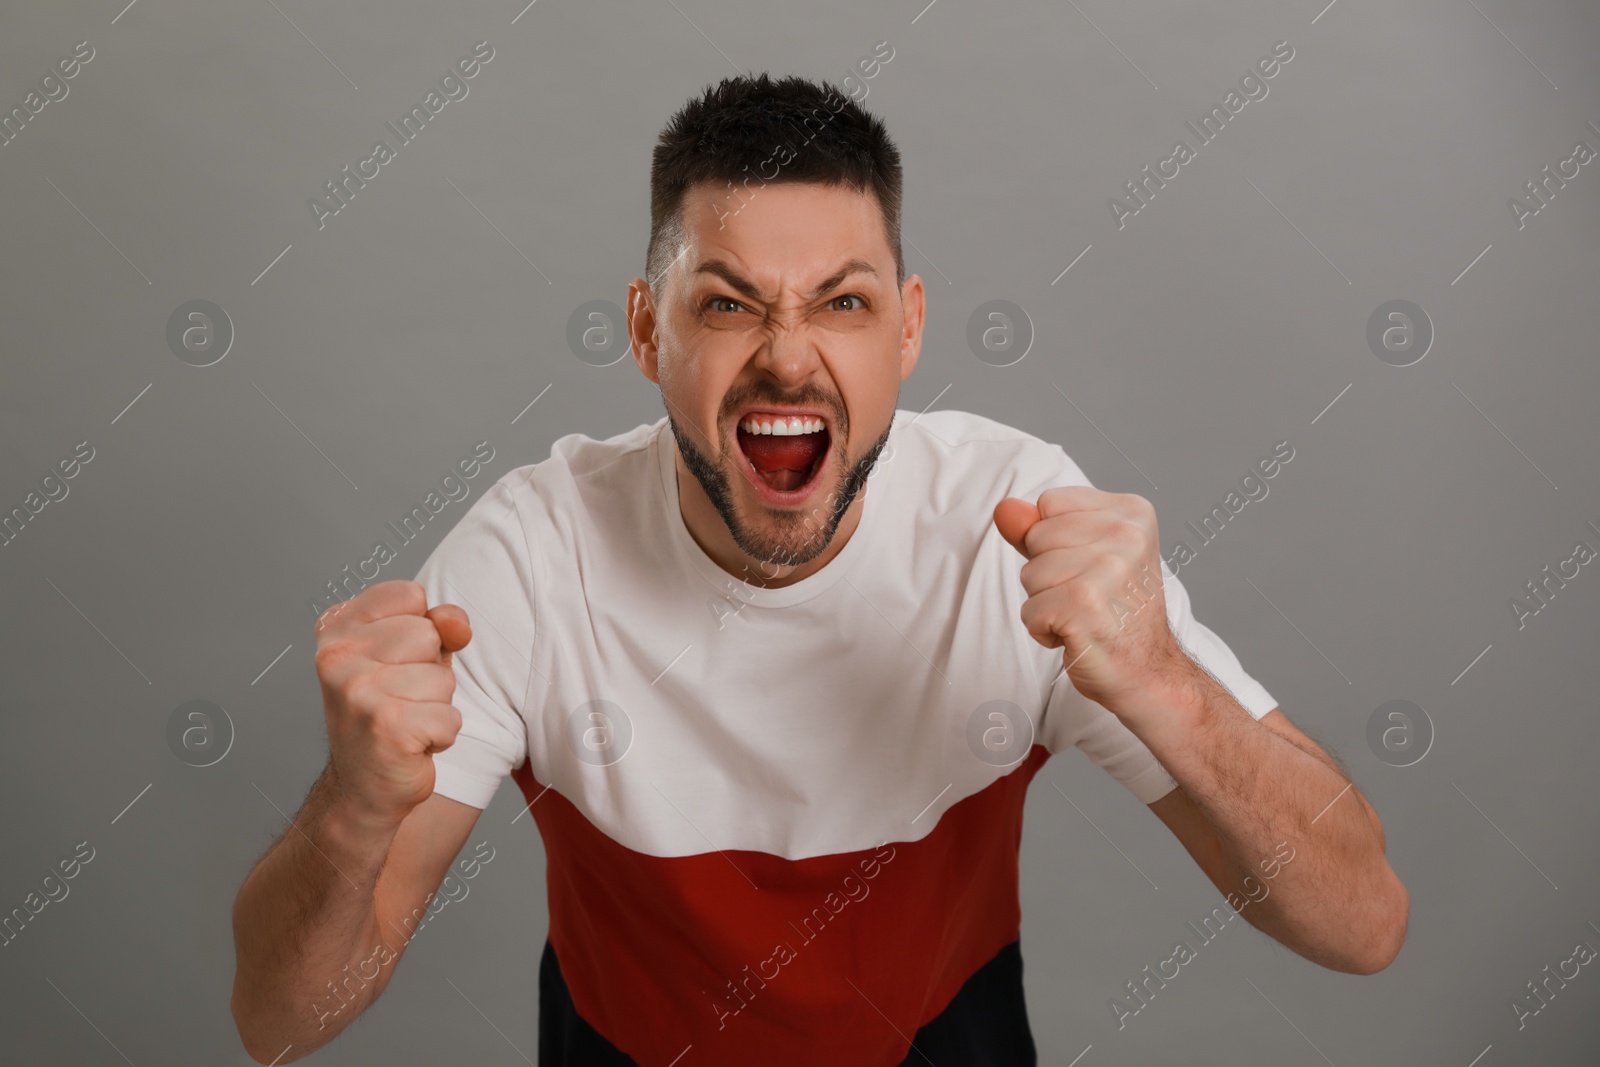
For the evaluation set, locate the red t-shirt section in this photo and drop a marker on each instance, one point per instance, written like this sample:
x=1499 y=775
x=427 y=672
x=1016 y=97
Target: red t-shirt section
x=750 y=957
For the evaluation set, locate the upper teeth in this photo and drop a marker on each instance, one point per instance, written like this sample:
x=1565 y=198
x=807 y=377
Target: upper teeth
x=792 y=426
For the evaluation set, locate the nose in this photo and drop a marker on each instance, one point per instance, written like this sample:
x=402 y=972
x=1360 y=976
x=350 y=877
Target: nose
x=788 y=352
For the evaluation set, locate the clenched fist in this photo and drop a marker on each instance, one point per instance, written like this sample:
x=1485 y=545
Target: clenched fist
x=1094 y=585
x=383 y=658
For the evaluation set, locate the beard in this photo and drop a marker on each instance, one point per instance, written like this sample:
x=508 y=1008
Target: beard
x=794 y=537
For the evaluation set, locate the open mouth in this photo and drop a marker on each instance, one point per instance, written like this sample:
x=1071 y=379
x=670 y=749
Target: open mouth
x=785 y=452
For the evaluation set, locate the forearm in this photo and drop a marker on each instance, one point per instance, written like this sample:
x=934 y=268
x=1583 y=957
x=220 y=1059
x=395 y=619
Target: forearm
x=1338 y=902
x=304 y=923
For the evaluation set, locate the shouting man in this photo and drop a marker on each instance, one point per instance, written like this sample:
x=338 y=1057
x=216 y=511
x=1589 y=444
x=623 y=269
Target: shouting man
x=774 y=673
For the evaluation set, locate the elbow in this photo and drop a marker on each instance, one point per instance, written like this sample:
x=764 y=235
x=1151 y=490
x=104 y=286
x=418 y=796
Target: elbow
x=1387 y=932
x=249 y=1035
x=251 y=1041
x=255 y=1030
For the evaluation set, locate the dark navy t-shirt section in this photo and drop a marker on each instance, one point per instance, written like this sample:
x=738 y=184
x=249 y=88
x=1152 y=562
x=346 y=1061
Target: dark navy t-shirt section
x=985 y=1025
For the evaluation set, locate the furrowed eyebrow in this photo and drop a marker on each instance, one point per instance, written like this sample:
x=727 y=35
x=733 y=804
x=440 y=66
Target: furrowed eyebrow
x=739 y=282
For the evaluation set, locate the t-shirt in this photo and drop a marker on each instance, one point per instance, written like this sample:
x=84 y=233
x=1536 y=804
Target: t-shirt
x=781 y=825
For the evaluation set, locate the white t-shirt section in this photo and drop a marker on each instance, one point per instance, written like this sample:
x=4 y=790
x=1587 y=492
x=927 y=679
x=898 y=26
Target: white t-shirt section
x=825 y=716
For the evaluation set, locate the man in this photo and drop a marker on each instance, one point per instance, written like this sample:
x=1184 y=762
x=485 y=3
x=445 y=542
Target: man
x=774 y=683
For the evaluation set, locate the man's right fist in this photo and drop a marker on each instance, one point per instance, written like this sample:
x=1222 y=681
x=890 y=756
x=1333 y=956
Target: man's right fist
x=383 y=658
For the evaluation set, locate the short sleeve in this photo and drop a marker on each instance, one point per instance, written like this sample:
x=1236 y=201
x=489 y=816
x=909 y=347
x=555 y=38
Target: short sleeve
x=483 y=566
x=1073 y=719
x=1209 y=650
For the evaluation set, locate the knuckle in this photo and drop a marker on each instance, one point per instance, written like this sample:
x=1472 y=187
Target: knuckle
x=331 y=654
x=362 y=695
x=414 y=597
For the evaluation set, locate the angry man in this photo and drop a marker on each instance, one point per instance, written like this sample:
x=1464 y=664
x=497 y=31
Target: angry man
x=774 y=673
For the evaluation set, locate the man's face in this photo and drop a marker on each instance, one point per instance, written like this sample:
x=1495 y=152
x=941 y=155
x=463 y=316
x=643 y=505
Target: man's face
x=779 y=340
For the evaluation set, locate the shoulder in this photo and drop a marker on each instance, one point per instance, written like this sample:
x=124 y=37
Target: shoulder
x=546 y=505
x=961 y=447
x=579 y=457
x=580 y=465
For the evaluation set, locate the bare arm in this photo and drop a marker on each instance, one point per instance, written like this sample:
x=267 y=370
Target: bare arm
x=320 y=922
x=1247 y=788
x=1273 y=822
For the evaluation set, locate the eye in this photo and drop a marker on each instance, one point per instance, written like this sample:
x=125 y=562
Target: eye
x=848 y=296
x=711 y=305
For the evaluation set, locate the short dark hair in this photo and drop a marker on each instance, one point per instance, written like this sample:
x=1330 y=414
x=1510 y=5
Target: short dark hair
x=735 y=133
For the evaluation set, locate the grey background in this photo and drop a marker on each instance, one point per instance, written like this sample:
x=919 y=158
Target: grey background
x=1222 y=319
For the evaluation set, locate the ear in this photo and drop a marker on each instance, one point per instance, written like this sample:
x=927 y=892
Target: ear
x=913 y=304
x=641 y=315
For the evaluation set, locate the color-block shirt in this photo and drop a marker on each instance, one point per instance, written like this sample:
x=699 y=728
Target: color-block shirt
x=781 y=824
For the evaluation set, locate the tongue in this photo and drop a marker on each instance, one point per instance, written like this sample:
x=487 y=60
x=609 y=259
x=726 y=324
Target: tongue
x=784 y=461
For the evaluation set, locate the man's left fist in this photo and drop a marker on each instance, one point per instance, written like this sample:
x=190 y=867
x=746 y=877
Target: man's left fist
x=1093 y=579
